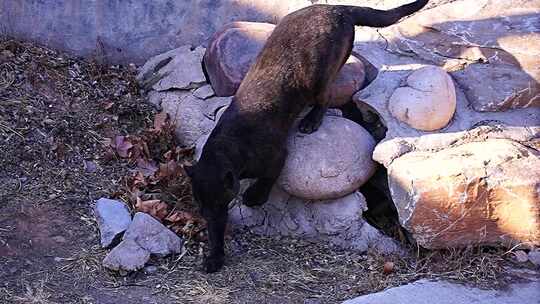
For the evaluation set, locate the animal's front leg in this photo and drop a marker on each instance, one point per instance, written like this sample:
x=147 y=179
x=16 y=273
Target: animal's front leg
x=312 y=121
x=217 y=223
x=257 y=194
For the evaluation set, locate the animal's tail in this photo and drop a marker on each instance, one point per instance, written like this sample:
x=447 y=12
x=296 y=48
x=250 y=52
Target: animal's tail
x=378 y=18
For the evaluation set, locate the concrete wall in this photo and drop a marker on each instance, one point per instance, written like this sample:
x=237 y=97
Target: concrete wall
x=122 y=31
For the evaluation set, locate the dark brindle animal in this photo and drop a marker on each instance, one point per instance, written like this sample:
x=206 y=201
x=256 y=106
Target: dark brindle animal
x=294 y=69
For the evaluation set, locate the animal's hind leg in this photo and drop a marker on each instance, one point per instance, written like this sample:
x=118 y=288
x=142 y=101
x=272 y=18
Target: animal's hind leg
x=257 y=194
x=312 y=121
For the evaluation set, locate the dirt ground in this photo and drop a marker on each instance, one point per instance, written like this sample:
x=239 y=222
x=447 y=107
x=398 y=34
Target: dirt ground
x=55 y=114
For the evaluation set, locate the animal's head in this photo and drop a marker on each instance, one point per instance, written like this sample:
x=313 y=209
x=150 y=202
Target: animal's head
x=214 y=186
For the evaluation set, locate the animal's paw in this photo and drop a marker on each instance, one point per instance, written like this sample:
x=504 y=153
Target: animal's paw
x=309 y=125
x=253 y=197
x=213 y=263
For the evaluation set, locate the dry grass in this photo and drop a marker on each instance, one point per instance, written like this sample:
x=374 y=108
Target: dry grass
x=54 y=115
x=35 y=293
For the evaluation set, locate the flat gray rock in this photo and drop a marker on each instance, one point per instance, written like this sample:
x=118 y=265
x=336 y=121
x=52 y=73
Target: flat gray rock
x=152 y=236
x=193 y=117
x=442 y=292
x=128 y=256
x=176 y=69
x=204 y=92
x=113 y=219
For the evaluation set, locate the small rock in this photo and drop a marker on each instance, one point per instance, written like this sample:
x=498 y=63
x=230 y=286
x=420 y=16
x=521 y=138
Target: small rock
x=90 y=166
x=428 y=102
x=204 y=92
x=534 y=257
x=150 y=269
x=151 y=235
x=113 y=219
x=127 y=256
x=521 y=256
x=329 y=163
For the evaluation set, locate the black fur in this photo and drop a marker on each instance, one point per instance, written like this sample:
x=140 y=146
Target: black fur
x=294 y=69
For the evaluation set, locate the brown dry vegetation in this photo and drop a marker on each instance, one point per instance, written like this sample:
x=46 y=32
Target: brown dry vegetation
x=56 y=116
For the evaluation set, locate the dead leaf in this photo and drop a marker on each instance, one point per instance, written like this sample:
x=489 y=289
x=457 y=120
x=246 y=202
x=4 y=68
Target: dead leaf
x=160 y=120
x=155 y=208
x=146 y=167
x=122 y=146
x=179 y=216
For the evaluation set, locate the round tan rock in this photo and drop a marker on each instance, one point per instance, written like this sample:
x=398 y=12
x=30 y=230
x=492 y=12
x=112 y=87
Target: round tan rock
x=428 y=102
x=329 y=163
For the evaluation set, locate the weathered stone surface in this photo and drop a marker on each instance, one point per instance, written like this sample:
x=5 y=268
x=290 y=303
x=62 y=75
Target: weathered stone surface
x=113 y=219
x=232 y=51
x=329 y=163
x=136 y=30
x=427 y=102
x=491 y=47
x=475 y=193
x=204 y=92
x=193 y=117
x=176 y=69
x=151 y=235
x=338 y=222
x=350 y=79
x=534 y=257
x=199 y=145
x=393 y=71
x=443 y=292
x=128 y=256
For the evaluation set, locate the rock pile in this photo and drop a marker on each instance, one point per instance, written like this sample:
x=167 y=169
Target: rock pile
x=462 y=119
x=466 y=171
x=143 y=237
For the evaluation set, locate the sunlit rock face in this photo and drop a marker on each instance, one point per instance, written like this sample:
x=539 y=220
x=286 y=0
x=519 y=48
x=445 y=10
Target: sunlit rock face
x=490 y=46
x=476 y=193
x=471 y=181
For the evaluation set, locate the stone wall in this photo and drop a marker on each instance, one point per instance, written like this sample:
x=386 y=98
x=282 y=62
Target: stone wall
x=122 y=31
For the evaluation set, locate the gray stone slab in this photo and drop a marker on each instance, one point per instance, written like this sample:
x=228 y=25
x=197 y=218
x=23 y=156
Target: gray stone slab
x=113 y=219
x=442 y=292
